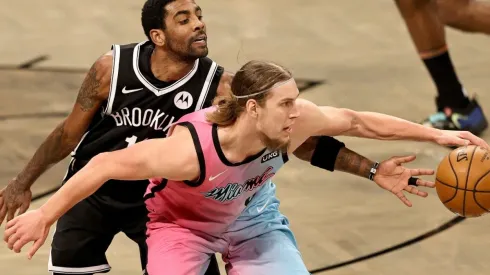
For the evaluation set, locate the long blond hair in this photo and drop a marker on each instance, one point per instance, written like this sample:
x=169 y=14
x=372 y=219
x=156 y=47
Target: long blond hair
x=252 y=81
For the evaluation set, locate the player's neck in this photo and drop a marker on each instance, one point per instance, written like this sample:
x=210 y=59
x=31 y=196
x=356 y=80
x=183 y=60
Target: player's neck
x=239 y=141
x=168 y=67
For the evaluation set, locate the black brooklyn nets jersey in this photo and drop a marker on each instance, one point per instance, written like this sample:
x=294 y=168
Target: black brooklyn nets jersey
x=141 y=107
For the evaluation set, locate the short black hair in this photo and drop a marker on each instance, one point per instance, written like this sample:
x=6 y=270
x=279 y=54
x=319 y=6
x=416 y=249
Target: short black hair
x=153 y=15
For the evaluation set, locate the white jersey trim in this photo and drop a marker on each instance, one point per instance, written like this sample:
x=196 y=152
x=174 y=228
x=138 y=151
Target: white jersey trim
x=206 y=86
x=151 y=87
x=115 y=72
x=75 y=270
x=74 y=152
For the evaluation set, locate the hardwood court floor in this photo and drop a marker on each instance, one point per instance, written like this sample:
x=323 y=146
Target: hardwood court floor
x=367 y=62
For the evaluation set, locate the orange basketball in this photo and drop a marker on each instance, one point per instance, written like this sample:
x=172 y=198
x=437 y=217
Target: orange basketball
x=463 y=181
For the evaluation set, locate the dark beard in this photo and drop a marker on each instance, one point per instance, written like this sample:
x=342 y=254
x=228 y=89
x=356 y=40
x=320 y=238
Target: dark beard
x=185 y=53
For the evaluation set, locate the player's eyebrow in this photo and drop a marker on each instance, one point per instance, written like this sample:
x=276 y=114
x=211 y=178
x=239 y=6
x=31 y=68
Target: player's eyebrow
x=187 y=12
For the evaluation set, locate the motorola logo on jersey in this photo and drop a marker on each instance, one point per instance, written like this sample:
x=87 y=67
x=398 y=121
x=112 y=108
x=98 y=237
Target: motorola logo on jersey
x=233 y=190
x=136 y=117
x=183 y=100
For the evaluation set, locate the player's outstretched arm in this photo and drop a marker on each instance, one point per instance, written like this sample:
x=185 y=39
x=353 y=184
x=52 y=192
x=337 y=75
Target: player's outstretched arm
x=62 y=140
x=331 y=154
x=172 y=158
x=331 y=121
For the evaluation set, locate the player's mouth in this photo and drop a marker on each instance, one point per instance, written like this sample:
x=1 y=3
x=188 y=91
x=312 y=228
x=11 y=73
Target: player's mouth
x=200 y=40
x=288 y=129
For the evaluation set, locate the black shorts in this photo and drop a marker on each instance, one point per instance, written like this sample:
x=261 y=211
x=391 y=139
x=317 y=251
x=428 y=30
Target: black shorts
x=85 y=232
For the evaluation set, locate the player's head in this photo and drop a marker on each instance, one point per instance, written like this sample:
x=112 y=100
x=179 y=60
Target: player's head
x=176 y=26
x=265 y=95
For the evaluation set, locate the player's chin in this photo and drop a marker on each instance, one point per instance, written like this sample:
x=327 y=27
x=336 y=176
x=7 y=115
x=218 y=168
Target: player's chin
x=199 y=51
x=284 y=139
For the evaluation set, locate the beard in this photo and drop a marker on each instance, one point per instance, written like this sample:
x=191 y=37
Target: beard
x=275 y=144
x=187 y=52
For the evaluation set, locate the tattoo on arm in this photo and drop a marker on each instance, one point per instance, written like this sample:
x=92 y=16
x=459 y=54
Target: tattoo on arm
x=64 y=138
x=89 y=90
x=305 y=150
x=353 y=163
x=53 y=150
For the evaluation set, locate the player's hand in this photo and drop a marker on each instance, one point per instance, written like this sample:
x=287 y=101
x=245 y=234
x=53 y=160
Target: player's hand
x=29 y=227
x=12 y=198
x=460 y=138
x=392 y=176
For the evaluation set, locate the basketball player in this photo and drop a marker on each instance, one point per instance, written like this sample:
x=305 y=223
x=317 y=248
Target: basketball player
x=221 y=156
x=425 y=22
x=132 y=93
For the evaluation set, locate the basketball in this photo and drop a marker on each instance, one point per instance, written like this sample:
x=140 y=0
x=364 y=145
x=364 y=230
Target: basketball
x=463 y=181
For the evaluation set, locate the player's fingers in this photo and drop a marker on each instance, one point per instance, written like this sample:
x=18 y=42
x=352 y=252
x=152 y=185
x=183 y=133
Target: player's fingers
x=21 y=242
x=9 y=232
x=405 y=159
x=23 y=208
x=421 y=172
x=404 y=199
x=11 y=213
x=3 y=213
x=37 y=244
x=426 y=183
x=473 y=139
x=12 y=222
x=12 y=239
x=415 y=191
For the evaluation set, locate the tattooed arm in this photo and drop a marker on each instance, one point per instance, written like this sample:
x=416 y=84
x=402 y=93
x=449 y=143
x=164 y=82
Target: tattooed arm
x=391 y=175
x=62 y=140
x=343 y=159
x=351 y=162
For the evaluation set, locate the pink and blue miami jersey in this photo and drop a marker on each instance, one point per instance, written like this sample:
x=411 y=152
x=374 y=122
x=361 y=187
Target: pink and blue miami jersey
x=213 y=202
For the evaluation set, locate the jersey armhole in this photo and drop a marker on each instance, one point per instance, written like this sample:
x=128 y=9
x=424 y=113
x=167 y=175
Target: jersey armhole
x=116 y=53
x=200 y=155
x=155 y=189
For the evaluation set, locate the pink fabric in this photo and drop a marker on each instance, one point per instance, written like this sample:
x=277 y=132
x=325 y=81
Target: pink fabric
x=212 y=206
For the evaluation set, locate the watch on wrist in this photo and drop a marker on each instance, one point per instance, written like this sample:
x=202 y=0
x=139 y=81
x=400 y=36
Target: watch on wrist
x=373 y=170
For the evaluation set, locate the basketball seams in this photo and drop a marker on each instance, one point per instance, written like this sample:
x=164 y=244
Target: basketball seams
x=475 y=191
x=455 y=192
x=477 y=203
x=457 y=180
x=466 y=183
x=479 y=181
x=448 y=185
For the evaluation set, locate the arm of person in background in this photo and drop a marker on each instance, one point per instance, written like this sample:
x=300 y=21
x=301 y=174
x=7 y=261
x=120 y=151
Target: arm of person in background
x=62 y=140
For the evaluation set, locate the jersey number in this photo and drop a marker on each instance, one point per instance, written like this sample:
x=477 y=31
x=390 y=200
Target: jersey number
x=131 y=140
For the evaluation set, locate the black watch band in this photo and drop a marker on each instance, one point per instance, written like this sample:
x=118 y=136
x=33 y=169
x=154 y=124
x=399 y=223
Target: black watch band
x=373 y=170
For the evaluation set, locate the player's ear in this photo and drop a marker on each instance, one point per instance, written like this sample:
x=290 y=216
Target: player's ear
x=251 y=107
x=157 y=37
